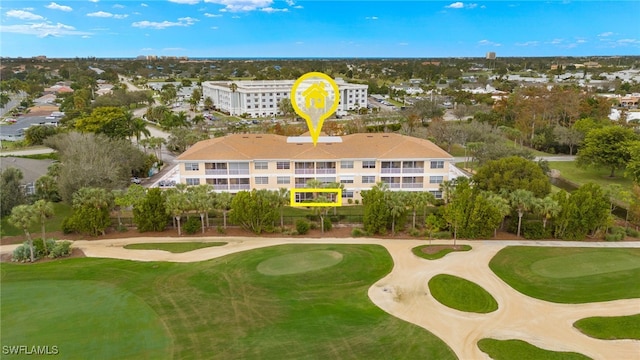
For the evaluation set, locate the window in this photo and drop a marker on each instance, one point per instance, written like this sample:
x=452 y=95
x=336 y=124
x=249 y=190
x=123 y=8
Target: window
x=437 y=194
x=369 y=164
x=347 y=193
x=261 y=165
x=283 y=165
x=368 y=179
x=192 y=166
x=346 y=164
x=193 y=181
x=346 y=180
x=284 y=180
x=437 y=164
x=262 y=180
x=436 y=179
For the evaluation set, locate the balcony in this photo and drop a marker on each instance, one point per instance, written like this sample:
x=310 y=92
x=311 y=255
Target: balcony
x=326 y=171
x=413 y=170
x=215 y=171
x=390 y=170
x=305 y=171
x=412 y=186
x=393 y=185
x=224 y=187
x=239 y=187
x=238 y=171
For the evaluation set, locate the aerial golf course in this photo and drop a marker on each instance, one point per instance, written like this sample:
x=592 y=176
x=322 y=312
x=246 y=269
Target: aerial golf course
x=270 y=300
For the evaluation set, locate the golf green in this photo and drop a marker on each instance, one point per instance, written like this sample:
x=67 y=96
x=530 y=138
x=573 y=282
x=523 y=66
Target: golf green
x=78 y=317
x=301 y=262
x=584 y=264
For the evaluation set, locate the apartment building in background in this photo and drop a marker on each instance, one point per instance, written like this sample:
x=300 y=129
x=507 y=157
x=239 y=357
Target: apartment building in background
x=265 y=161
x=260 y=98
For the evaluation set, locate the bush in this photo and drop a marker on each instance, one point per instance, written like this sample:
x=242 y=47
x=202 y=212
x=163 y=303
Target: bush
x=633 y=233
x=615 y=233
x=221 y=230
x=349 y=201
x=60 y=249
x=442 y=235
x=67 y=226
x=21 y=253
x=357 y=201
x=535 y=231
x=357 y=232
x=302 y=227
x=290 y=232
x=38 y=247
x=313 y=226
x=192 y=225
x=414 y=232
x=613 y=237
x=327 y=224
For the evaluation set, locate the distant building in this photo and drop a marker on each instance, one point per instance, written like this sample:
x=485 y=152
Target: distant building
x=260 y=98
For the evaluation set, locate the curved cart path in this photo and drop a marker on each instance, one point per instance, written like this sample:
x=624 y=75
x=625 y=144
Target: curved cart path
x=404 y=293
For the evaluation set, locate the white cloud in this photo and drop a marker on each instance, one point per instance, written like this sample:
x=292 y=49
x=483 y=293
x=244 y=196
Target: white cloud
x=212 y=15
x=214 y=28
x=241 y=5
x=186 y=21
x=144 y=5
x=581 y=41
x=455 y=5
x=272 y=10
x=187 y=2
x=23 y=15
x=528 y=43
x=86 y=36
x=54 y=6
x=557 y=41
x=628 y=42
x=290 y=2
x=488 y=43
x=94 y=1
x=298 y=7
x=103 y=14
x=605 y=34
x=118 y=6
x=371 y=18
x=43 y=30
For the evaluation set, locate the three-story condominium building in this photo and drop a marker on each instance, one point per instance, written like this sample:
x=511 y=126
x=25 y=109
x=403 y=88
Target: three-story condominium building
x=265 y=161
x=260 y=98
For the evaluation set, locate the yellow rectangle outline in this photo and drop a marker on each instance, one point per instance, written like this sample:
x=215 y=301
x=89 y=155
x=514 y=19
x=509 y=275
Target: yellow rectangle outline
x=316 y=204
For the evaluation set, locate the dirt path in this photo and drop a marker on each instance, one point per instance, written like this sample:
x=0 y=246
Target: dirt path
x=404 y=293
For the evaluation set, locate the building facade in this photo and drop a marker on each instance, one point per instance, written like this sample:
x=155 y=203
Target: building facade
x=265 y=161
x=260 y=98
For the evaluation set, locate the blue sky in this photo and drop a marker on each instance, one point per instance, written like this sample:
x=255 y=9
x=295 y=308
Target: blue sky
x=299 y=28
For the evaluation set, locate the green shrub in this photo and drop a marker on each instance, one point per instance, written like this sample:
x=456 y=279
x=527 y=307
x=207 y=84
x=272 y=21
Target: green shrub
x=313 y=226
x=67 y=226
x=327 y=224
x=192 y=225
x=38 y=247
x=357 y=201
x=534 y=230
x=615 y=233
x=442 y=235
x=221 y=230
x=414 y=232
x=290 y=232
x=21 y=253
x=357 y=232
x=60 y=249
x=302 y=226
x=633 y=233
x=349 y=201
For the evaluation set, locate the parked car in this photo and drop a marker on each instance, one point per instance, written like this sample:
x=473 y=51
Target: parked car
x=136 y=180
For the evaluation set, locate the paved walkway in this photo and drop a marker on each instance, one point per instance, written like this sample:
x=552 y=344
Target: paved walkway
x=404 y=293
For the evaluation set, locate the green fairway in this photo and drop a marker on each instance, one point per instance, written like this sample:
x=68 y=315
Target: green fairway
x=225 y=308
x=570 y=275
x=461 y=294
x=299 y=262
x=177 y=247
x=61 y=211
x=611 y=328
x=92 y=318
x=419 y=251
x=522 y=350
x=580 y=176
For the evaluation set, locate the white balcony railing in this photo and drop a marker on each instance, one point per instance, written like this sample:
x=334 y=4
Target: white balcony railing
x=325 y=171
x=390 y=170
x=393 y=185
x=220 y=187
x=238 y=171
x=305 y=171
x=239 y=187
x=413 y=170
x=412 y=185
x=215 y=171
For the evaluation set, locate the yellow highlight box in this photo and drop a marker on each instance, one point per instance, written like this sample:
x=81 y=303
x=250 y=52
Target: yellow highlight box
x=337 y=191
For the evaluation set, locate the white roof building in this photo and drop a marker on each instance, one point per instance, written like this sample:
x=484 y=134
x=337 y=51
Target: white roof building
x=260 y=98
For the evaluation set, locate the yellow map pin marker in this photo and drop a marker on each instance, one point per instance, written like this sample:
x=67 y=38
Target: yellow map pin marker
x=315 y=96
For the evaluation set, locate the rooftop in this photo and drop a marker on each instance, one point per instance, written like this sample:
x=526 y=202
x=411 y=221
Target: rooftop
x=242 y=147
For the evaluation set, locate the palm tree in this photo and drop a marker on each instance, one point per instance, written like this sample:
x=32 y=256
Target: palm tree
x=547 y=208
x=397 y=206
x=22 y=216
x=208 y=103
x=417 y=201
x=282 y=196
x=137 y=128
x=43 y=210
x=522 y=201
x=176 y=204
x=200 y=199
x=223 y=202
x=233 y=87
x=501 y=204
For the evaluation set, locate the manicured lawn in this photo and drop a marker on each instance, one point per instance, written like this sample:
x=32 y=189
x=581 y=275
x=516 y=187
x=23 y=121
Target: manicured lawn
x=419 y=251
x=177 y=247
x=570 y=171
x=61 y=211
x=611 y=328
x=461 y=294
x=77 y=316
x=225 y=308
x=570 y=275
x=521 y=350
